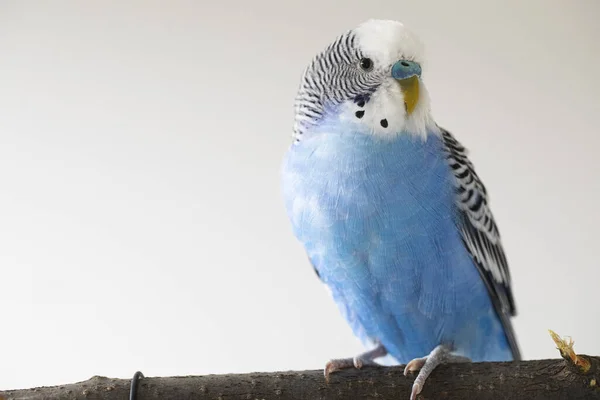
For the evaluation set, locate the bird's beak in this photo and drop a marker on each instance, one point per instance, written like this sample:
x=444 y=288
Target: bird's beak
x=407 y=73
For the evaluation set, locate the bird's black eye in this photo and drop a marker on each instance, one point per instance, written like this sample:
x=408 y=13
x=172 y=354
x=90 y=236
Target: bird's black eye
x=366 y=64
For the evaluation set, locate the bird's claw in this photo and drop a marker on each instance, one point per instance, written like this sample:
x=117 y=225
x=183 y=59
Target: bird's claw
x=414 y=365
x=358 y=362
x=336 y=365
x=426 y=365
x=347 y=363
x=416 y=389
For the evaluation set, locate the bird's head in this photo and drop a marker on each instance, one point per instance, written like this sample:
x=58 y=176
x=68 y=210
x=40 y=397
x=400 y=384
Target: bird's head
x=369 y=76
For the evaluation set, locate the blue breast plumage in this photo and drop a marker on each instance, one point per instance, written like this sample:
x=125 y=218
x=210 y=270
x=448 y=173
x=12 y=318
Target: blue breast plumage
x=379 y=221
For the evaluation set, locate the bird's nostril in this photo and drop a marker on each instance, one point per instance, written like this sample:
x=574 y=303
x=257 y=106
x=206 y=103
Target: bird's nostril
x=404 y=64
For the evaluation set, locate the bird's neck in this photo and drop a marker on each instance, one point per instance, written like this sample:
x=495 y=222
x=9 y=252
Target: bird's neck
x=333 y=153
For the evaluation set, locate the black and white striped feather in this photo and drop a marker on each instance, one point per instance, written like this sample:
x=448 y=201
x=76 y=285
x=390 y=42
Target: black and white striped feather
x=481 y=236
x=331 y=78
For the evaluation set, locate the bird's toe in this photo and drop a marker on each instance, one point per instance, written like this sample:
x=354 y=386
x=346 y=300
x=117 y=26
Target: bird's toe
x=414 y=365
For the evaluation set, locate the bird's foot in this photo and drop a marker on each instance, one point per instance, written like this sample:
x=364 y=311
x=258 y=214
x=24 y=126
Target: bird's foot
x=346 y=363
x=358 y=362
x=425 y=365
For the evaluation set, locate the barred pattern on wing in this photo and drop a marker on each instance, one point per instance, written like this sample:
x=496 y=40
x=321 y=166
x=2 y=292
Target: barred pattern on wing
x=332 y=77
x=480 y=234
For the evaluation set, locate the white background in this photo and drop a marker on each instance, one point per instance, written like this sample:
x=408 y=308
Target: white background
x=141 y=225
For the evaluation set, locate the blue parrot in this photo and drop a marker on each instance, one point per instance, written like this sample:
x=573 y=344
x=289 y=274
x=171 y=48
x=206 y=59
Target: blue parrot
x=390 y=211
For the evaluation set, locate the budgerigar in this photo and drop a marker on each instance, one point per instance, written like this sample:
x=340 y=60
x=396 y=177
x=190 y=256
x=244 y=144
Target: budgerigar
x=392 y=215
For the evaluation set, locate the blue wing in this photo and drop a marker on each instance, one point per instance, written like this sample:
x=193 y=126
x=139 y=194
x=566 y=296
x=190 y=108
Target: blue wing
x=481 y=236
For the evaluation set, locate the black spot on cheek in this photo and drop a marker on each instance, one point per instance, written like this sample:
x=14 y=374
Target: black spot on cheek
x=359 y=114
x=360 y=103
x=384 y=123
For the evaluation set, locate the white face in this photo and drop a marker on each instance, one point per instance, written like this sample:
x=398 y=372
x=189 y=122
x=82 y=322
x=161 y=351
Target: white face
x=388 y=41
x=385 y=43
x=337 y=76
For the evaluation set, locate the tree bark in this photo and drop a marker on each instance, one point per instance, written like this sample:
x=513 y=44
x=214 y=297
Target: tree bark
x=527 y=380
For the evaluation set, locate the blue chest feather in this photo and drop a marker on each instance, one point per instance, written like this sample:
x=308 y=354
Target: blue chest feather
x=378 y=220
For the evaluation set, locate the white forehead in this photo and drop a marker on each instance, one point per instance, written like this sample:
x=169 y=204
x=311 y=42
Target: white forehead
x=388 y=41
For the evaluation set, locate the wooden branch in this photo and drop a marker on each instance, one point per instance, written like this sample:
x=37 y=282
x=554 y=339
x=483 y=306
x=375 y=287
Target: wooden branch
x=526 y=380
x=575 y=376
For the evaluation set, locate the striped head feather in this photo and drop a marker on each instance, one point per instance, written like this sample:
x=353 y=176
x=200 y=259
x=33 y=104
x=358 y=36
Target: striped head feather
x=351 y=79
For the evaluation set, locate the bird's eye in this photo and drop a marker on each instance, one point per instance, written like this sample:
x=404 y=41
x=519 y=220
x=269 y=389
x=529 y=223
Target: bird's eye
x=366 y=64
